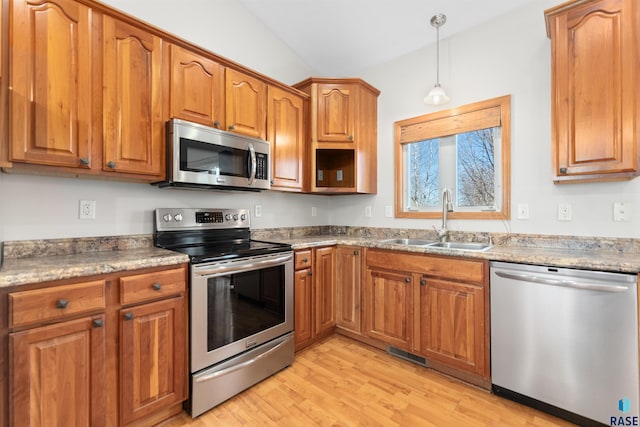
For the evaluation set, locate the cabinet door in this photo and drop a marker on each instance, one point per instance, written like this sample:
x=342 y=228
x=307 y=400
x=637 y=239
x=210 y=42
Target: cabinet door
x=388 y=303
x=336 y=113
x=325 y=288
x=303 y=308
x=452 y=324
x=348 y=288
x=197 y=88
x=51 y=65
x=285 y=112
x=152 y=357
x=58 y=374
x=595 y=84
x=246 y=104
x=133 y=119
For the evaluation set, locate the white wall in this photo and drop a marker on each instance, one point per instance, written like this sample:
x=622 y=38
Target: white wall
x=509 y=55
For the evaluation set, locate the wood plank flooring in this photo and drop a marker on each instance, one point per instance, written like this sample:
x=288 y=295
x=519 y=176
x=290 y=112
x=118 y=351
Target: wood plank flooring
x=341 y=382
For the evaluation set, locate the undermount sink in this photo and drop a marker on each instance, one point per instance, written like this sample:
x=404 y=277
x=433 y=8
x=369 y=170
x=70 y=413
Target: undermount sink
x=464 y=246
x=409 y=242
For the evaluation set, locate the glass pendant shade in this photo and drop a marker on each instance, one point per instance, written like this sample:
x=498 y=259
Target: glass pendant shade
x=436 y=96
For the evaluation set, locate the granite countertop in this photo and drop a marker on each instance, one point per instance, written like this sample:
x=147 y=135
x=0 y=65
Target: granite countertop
x=45 y=260
x=583 y=258
x=19 y=271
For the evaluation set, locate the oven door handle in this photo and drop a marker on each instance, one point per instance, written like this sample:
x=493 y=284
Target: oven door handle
x=240 y=365
x=241 y=267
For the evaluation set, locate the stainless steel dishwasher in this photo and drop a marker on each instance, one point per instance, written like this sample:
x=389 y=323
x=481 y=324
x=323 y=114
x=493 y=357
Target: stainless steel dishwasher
x=566 y=341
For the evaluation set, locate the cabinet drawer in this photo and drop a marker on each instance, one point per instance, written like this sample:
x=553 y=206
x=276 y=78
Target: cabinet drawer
x=148 y=286
x=452 y=268
x=57 y=302
x=303 y=259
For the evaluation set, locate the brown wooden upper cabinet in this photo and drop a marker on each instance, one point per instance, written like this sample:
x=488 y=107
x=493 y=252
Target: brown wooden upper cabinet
x=595 y=104
x=197 y=88
x=343 y=133
x=132 y=100
x=70 y=115
x=286 y=134
x=246 y=104
x=52 y=84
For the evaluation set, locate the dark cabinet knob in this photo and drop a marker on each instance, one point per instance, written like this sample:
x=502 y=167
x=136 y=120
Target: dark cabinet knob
x=156 y=286
x=84 y=161
x=62 y=303
x=97 y=323
x=310 y=273
x=563 y=170
x=232 y=127
x=356 y=253
x=305 y=260
x=216 y=123
x=407 y=279
x=350 y=137
x=111 y=165
x=423 y=282
x=128 y=316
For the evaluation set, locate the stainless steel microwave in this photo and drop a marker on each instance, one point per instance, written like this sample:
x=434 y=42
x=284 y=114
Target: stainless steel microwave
x=207 y=158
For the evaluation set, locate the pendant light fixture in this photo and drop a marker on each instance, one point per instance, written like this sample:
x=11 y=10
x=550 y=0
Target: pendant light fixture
x=437 y=95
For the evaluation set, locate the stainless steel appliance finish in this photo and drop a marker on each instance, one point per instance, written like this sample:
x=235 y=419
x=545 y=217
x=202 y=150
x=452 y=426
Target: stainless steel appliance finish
x=565 y=340
x=241 y=301
x=208 y=158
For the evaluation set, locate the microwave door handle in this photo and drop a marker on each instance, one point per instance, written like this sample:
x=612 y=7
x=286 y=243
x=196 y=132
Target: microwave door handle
x=252 y=159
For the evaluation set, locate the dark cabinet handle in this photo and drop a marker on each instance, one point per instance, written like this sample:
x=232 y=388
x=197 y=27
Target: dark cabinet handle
x=156 y=286
x=232 y=127
x=563 y=170
x=271 y=182
x=310 y=273
x=84 y=161
x=97 y=323
x=407 y=279
x=423 y=282
x=350 y=137
x=216 y=123
x=356 y=253
x=62 y=303
x=305 y=260
x=111 y=165
x=128 y=316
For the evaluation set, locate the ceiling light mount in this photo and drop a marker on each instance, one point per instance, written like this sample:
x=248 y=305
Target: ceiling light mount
x=437 y=95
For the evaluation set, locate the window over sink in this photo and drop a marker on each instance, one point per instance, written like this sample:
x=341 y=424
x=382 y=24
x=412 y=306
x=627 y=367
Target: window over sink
x=465 y=149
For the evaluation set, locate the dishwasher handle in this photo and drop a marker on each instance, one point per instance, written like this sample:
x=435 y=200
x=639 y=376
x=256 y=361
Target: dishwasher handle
x=563 y=283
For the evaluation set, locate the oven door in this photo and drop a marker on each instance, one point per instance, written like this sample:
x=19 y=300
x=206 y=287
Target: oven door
x=239 y=304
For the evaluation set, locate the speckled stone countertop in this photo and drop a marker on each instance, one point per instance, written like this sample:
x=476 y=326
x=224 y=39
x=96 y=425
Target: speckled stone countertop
x=605 y=254
x=44 y=260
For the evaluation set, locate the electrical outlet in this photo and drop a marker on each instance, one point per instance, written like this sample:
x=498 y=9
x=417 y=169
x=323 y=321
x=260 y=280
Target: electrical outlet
x=388 y=211
x=367 y=211
x=314 y=211
x=621 y=212
x=523 y=211
x=87 y=209
x=564 y=212
x=257 y=210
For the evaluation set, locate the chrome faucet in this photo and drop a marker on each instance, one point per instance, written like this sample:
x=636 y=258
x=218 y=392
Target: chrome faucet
x=447 y=206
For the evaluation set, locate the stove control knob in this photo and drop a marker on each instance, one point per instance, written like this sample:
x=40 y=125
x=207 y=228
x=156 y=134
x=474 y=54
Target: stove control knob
x=166 y=217
x=235 y=217
x=227 y=217
x=243 y=217
x=178 y=217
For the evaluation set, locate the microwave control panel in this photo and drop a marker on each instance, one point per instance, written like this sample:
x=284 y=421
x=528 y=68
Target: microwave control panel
x=262 y=168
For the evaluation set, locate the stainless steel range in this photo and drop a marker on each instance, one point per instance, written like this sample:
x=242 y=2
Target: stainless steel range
x=241 y=301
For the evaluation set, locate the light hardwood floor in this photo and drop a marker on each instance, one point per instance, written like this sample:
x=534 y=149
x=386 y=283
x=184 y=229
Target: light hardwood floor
x=340 y=382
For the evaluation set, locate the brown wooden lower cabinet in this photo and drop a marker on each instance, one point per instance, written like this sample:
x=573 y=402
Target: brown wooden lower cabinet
x=58 y=374
x=314 y=294
x=436 y=307
x=77 y=364
x=349 y=288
